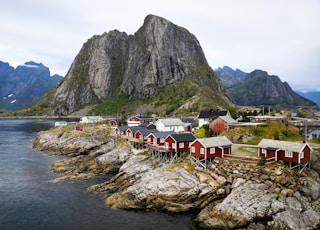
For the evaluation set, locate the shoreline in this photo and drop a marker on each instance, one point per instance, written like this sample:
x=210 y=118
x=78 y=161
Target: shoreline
x=226 y=193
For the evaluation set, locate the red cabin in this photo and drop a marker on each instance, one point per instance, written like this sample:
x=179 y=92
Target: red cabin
x=138 y=120
x=179 y=142
x=292 y=152
x=209 y=148
x=157 y=139
x=221 y=124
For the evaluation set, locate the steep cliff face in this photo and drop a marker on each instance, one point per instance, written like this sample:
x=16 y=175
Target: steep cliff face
x=139 y=65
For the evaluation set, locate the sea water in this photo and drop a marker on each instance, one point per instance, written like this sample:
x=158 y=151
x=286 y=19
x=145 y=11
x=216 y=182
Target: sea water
x=30 y=199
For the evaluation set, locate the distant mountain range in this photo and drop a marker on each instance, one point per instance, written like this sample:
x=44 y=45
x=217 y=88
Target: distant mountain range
x=23 y=86
x=311 y=95
x=260 y=88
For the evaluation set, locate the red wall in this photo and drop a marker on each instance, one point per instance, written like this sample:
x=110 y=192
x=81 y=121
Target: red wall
x=198 y=146
x=138 y=135
x=218 y=125
x=270 y=153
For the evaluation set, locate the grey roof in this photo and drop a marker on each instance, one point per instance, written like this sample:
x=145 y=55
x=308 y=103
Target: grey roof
x=123 y=128
x=146 y=132
x=282 y=145
x=183 y=137
x=215 y=141
x=228 y=120
x=163 y=134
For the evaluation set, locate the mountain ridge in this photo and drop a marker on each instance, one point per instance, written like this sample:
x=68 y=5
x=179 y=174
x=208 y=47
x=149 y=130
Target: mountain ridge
x=260 y=88
x=24 y=85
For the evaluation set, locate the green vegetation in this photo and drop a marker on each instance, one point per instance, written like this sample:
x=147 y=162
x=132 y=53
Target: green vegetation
x=120 y=104
x=273 y=130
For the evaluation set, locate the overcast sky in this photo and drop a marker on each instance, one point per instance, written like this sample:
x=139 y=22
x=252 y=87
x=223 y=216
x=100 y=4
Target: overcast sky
x=281 y=37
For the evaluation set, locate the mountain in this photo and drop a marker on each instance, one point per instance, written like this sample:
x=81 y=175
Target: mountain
x=230 y=77
x=312 y=95
x=161 y=68
x=260 y=88
x=23 y=86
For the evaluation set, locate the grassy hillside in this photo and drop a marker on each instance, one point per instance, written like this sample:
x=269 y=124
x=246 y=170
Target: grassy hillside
x=273 y=130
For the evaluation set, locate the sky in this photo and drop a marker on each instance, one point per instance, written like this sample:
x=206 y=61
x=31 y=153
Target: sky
x=281 y=37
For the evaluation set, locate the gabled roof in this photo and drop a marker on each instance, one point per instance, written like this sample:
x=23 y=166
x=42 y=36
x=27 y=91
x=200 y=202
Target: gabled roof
x=214 y=141
x=228 y=119
x=183 y=137
x=123 y=128
x=171 y=122
x=134 y=129
x=282 y=145
x=212 y=113
x=163 y=134
x=146 y=132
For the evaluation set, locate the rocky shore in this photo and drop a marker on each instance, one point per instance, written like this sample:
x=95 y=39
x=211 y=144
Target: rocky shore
x=227 y=195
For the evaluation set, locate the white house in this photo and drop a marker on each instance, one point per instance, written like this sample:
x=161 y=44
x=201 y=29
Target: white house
x=91 y=119
x=170 y=124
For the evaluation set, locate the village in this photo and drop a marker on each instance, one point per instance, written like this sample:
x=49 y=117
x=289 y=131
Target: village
x=165 y=164
x=169 y=139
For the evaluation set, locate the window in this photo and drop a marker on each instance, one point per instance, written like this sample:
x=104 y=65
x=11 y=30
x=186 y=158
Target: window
x=174 y=145
x=301 y=155
x=202 y=151
x=288 y=154
x=212 y=150
x=161 y=140
x=264 y=151
x=149 y=139
x=181 y=145
x=193 y=149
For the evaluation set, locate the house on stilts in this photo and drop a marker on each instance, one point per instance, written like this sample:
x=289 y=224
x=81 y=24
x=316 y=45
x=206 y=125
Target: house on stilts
x=205 y=149
x=297 y=154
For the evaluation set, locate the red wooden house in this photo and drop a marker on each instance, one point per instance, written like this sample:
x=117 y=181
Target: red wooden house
x=296 y=153
x=120 y=130
x=221 y=124
x=142 y=133
x=179 y=142
x=138 y=120
x=208 y=148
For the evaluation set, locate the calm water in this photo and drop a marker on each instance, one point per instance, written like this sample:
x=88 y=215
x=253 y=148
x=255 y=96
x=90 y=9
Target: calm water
x=29 y=200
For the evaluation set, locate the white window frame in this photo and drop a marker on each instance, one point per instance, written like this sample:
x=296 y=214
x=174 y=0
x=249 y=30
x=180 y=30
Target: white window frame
x=212 y=150
x=174 y=144
x=202 y=151
x=288 y=154
x=264 y=151
x=161 y=140
x=193 y=149
x=181 y=145
x=302 y=155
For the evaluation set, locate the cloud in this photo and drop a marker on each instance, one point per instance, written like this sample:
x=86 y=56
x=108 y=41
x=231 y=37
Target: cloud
x=281 y=37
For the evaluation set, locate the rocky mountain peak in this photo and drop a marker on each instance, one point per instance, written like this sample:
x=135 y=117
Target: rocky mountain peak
x=139 y=65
